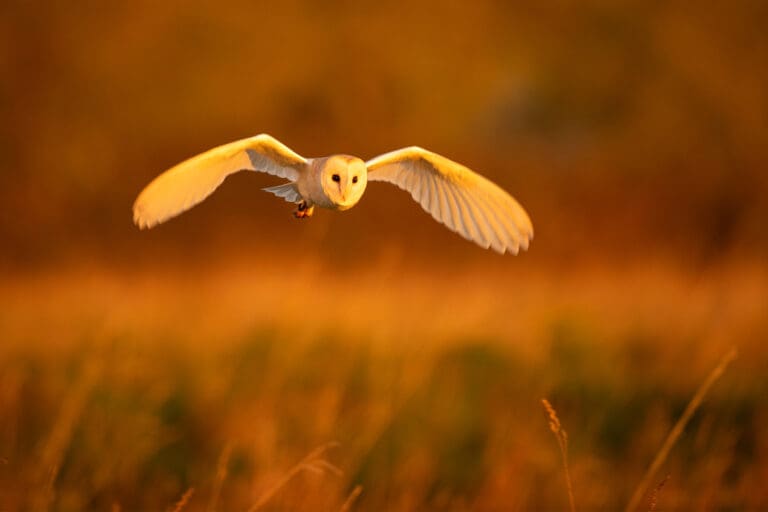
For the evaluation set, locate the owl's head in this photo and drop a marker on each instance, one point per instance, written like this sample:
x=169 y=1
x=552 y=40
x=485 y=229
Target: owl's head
x=343 y=180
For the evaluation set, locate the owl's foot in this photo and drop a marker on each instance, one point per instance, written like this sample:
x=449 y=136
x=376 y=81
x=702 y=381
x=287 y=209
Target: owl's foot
x=303 y=211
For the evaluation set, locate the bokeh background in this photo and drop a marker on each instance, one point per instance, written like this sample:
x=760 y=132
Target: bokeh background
x=208 y=356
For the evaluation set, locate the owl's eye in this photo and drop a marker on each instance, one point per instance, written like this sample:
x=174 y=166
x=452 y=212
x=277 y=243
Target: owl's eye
x=336 y=178
x=354 y=179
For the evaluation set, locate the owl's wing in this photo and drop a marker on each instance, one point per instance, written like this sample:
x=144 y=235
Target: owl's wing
x=464 y=201
x=188 y=183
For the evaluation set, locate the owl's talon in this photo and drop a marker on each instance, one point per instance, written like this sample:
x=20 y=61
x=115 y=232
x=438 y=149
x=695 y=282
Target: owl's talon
x=303 y=211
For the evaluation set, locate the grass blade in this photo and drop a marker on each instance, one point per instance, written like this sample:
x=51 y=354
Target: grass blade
x=678 y=428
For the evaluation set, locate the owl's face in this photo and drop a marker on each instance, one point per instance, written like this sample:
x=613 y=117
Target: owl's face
x=343 y=179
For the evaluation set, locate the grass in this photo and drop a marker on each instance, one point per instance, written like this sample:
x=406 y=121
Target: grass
x=179 y=506
x=562 y=441
x=314 y=462
x=653 y=501
x=122 y=392
x=677 y=429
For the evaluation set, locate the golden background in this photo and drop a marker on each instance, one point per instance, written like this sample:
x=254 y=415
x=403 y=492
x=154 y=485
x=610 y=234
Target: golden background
x=208 y=356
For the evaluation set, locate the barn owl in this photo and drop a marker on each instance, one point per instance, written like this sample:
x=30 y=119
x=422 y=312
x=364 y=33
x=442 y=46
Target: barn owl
x=455 y=196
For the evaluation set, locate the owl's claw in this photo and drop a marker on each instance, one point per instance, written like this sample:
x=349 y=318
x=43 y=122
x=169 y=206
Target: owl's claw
x=303 y=211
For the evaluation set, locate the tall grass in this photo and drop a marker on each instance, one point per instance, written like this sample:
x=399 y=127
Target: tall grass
x=677 y=429
x=122 y=392
x=179 y=506
x=661 y=456
x=314 y=462
x=562 y=441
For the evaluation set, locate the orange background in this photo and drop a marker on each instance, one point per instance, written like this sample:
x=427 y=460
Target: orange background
x=207 y=357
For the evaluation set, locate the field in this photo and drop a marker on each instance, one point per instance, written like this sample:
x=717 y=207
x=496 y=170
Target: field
x=280 y=387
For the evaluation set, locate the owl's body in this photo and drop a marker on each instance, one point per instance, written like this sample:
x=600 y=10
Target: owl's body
x=464 y=201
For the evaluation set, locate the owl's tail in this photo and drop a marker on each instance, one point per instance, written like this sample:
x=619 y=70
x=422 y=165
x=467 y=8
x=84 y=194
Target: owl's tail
x=287 y=192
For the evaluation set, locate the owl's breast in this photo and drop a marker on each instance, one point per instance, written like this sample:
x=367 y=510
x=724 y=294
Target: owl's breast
x=310 y=187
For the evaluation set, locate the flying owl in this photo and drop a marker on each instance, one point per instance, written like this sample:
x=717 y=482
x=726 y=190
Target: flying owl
x=462 y=200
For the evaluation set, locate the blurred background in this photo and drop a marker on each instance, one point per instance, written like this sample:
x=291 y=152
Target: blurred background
x=208 y=356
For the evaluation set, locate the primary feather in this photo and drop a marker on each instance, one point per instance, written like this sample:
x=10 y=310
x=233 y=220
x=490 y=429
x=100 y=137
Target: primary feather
x=464 y=201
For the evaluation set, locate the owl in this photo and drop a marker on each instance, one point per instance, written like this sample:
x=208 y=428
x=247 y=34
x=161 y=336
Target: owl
x=455 y=196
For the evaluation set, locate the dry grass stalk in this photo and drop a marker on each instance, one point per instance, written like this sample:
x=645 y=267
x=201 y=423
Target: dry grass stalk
x=221 y=475
x=313 y=462
x=347 y=506
x=562 y=441
x=183 y=500
x=55 y=446
x=653 y=501
x=678 y=428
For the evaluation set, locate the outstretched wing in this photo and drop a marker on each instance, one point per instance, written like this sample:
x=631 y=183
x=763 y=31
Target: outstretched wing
x=188 y=183
x=472 y=206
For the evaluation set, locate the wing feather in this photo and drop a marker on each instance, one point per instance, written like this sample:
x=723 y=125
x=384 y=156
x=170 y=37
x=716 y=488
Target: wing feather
x=422 y=186
x=426 y=198
x=504 y=234
x=458 y=220
x=516 y=217
x=445 y=212
x=462 y=200
x=505 y=229
x=190 y=182
x=485 y=222
x=411 y=183
x=434 y=200
x=503 y=238
x=471 y=218
x=506 y=218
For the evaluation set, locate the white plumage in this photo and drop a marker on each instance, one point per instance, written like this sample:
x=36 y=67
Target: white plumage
x=455 y=196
